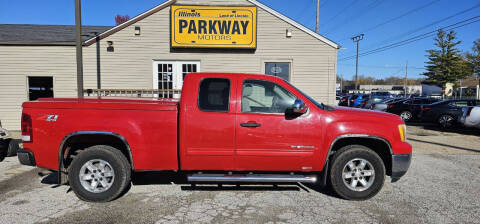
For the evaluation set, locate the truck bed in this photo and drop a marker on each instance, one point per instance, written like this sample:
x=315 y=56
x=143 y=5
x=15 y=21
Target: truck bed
x=149 y=125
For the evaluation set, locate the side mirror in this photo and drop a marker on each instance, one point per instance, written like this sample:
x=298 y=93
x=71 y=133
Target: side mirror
x=299 y=107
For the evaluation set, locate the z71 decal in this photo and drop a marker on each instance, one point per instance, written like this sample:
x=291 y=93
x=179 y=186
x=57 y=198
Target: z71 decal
x=52 y=117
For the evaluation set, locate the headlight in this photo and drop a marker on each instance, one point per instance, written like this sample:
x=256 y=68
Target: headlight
x=402 y=130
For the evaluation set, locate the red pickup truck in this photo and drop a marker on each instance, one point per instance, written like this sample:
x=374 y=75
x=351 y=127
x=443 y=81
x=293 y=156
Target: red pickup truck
x=225 y=128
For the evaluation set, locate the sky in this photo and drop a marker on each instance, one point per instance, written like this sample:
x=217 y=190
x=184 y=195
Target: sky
x=383 y=23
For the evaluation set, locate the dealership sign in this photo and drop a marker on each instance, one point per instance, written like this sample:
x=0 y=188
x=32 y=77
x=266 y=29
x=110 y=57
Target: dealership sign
x=214 y=26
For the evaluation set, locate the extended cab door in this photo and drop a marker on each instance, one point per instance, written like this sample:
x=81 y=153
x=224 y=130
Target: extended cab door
x=267 y=139
x=207 y=123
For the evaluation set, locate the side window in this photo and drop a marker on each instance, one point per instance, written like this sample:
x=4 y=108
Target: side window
x=214 y=95
x=260 y=96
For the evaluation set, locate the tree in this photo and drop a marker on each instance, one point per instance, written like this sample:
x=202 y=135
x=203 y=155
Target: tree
x=445 y=63
x=119 y=19
x=473 y=58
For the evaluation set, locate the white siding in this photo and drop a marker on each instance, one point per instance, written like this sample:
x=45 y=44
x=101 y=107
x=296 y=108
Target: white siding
x=19 y=62
x=130 y=65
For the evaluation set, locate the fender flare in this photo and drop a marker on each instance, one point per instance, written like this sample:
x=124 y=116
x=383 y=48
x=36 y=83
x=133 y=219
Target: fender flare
x=323 y=177
x=61 y=149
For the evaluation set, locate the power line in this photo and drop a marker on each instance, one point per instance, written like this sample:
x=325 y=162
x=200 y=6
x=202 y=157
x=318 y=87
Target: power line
x=426 y=26
x=341 y=11
x=385 y=67
x=399 y=16
x=416 y=38
x=375 y=4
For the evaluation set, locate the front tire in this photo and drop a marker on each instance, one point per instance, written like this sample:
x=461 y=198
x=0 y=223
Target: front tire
x=99 y=174
x=357 y=173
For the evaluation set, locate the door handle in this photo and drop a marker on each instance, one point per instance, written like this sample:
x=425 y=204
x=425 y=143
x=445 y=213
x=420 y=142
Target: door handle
x=250 y=125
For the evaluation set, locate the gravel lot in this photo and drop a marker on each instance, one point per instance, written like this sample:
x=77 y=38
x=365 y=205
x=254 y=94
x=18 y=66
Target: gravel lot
x=442 y=186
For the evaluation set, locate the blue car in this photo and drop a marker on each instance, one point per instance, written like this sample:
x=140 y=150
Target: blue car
x=360 y=99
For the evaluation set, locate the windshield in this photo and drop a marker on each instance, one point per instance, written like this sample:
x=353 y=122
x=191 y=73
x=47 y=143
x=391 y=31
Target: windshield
x=319 y=105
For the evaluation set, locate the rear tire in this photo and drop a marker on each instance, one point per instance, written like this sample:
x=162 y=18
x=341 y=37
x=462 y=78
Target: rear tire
x=406 y=115
x=99 y=173
x=446 y=120
x=357 y=173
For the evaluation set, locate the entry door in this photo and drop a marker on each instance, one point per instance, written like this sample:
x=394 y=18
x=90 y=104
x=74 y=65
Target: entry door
x=266 y=139
x=170 y=74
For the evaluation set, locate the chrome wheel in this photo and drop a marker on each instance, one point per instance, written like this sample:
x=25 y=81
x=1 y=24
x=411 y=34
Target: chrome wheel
x=96 y=175
x=445 y=121
x=358 y=174
x=406 y=115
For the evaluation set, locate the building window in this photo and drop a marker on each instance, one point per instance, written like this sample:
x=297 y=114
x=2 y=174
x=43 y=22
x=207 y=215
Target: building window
x=280 y=69
x=40 y=87
x=214 y=95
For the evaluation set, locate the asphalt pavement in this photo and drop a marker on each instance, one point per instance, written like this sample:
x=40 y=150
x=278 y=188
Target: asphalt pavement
x=441 y=186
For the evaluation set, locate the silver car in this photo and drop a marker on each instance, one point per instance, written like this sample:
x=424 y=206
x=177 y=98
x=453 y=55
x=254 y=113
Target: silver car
x=471 y=117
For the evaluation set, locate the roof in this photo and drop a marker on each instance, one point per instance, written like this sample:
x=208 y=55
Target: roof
x=12 y=34
x=25 y=34
x=256 y=3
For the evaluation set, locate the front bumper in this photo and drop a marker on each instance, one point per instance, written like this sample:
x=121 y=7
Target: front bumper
x=400 y=165
x=26 y=158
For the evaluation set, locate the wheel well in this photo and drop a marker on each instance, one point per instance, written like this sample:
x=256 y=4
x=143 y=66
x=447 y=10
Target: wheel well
x=77 y=143
x=381 y=147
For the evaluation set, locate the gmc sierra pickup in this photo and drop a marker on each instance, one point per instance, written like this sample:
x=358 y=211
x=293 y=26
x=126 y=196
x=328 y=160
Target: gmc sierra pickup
x=225 y=128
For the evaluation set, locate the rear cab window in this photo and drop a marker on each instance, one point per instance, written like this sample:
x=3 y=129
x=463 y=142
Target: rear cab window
x=214 y=95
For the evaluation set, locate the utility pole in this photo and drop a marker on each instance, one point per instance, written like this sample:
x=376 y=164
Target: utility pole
x=318 y=15
x=78 y=25
x=405 y=83
x=357 y=39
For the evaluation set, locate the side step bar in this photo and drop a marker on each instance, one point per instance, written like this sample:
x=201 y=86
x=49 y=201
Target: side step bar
x=259 y=178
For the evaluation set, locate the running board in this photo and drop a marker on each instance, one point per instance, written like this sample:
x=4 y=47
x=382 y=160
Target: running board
x=256 y=178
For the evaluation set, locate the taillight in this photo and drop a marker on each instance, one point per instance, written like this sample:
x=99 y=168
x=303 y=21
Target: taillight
x=426 y=108
x=344 y=99
x=390 y=106
x=469 y=110
x=27 y=129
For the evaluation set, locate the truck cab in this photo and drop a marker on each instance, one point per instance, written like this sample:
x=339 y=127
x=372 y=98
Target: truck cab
x=225 y=128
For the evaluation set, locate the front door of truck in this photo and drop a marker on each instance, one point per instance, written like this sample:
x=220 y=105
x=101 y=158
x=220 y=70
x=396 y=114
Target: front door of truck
x=266 y=138
x=207 y=124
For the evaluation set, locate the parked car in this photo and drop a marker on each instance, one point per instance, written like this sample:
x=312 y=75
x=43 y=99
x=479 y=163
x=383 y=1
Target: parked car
x=383 y=93
x=358 y=102
x=351 y=99
x=3 y=143
x=344 y=101
x=372 y=100
x=382 y=106
x=446 y=113
x=8 y=146
x=409 y=109
x=471 y=116
x=225 y=128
